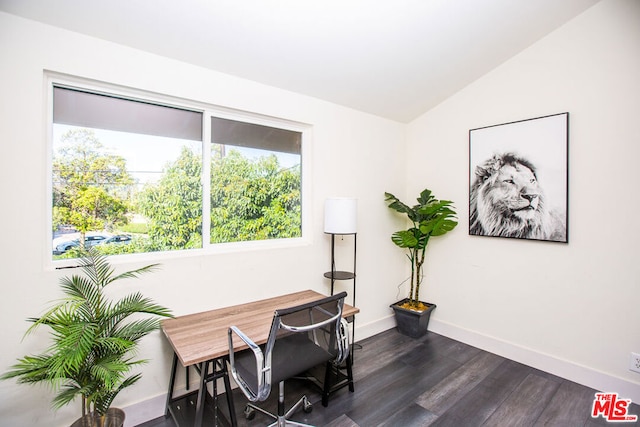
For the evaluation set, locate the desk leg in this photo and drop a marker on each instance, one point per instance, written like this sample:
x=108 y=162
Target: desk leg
x=227 y=388
x=350 y=372
x=328 y=386
x=204 y=366
x=172 y=381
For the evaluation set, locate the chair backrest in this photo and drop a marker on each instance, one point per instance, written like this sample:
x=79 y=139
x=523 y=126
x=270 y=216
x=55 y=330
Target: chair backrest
x=300 y=338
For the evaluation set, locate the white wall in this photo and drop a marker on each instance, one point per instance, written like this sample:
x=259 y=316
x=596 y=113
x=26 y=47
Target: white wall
x=353 y=154
x=571 y=309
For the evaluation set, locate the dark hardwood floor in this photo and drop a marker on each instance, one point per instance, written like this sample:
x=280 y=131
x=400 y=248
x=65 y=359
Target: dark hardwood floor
x=436 y=381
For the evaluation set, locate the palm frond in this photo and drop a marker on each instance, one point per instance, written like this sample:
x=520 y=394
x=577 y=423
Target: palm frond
x=130 y=305
x=110 y=371
x=104 y=400
x=137 y=272
x=59 y=314
x=66 y=395
x=113 y=345
x=96 y=266
x=73 y=349
x=137 y=329
x=29 y=369
x=136 y=303
x=85 y=289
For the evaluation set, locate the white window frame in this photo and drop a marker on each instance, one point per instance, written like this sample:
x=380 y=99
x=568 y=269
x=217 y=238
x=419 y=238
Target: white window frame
x=208 y=111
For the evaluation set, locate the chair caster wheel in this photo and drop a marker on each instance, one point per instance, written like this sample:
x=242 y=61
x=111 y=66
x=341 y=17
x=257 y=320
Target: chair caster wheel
x=249 y=413
x=307 y=407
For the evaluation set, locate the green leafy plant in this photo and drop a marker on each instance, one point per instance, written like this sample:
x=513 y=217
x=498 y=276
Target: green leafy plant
x=429 y=218
x=94 y=339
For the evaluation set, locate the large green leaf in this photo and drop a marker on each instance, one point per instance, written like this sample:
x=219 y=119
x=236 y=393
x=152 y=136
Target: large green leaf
x=400 y=207
x=425 y=197
x=404 y=239
x=440 y=218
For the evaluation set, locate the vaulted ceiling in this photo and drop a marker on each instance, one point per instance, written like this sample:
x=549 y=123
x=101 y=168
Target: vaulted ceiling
x=392 y=58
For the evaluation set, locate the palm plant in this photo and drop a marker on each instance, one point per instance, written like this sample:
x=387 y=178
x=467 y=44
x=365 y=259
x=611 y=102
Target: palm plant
x=429 y=218
x=94 y=338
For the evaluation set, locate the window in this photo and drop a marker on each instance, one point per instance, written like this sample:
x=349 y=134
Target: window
x=255 y=182
x=132 y=175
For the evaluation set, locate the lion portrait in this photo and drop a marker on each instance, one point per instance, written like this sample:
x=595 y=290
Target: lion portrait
x=506 y=200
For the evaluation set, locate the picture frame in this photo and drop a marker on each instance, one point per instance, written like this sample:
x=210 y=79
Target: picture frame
x=519 y=179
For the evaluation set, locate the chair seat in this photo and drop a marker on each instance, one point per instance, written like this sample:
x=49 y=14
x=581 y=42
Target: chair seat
x=286 y=360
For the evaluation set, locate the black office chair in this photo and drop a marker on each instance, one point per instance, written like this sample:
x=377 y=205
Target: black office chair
x=301 y=337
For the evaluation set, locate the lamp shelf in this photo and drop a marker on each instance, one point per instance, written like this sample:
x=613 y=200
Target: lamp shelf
x=339 y=275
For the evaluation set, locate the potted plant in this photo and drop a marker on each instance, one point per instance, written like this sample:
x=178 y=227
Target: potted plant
x=429 y=218
x=94 y=341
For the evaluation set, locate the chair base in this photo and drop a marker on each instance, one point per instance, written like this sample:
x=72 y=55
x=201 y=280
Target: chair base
x=282 y=419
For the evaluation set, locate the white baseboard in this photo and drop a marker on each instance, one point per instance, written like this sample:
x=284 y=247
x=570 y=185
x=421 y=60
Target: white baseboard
x=145 y=410
x=366 y=330
x=153 y=408
x=562 y=368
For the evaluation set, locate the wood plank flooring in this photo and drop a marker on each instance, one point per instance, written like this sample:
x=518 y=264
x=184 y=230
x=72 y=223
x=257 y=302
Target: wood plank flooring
x=436 y=381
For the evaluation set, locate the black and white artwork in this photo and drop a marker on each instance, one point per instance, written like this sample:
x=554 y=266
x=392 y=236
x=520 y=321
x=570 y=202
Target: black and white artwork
x=518 y=179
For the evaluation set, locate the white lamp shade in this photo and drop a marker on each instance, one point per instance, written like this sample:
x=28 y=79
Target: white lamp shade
x=340 y=215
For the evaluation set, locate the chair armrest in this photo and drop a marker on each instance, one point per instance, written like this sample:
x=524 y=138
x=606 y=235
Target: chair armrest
x=343 y=342
x=249 y=392
x=248 y=341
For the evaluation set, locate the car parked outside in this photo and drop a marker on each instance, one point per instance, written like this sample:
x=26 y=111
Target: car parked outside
x=90 y=240
x=120 y=238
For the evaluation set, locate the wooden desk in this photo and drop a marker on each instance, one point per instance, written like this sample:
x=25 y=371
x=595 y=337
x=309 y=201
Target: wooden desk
x=201 y=339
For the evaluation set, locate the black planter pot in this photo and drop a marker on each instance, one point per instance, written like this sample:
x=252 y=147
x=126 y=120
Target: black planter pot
x=410 y=322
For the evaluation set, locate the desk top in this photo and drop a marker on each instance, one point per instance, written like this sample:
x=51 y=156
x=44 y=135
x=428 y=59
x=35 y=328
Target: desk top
x=199 y=337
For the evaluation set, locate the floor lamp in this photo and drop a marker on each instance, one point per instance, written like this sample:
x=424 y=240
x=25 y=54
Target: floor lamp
x=340 y=218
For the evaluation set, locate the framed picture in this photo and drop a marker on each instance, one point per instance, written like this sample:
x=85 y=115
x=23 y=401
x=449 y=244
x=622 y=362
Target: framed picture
x=518 y=179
